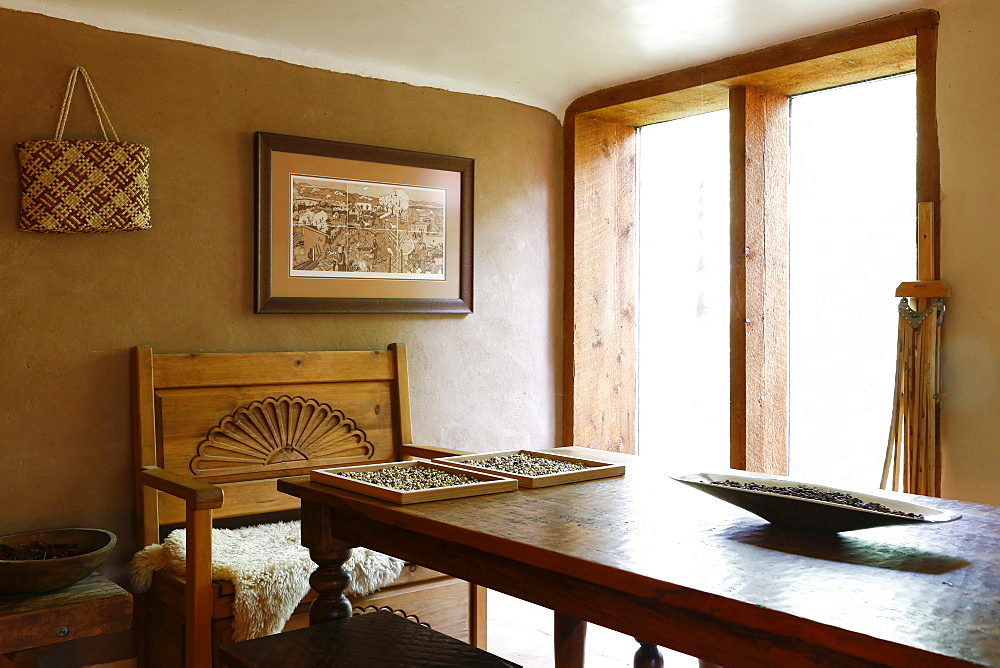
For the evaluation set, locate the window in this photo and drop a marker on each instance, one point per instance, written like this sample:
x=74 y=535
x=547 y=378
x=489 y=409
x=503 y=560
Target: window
x=850 y=241
x=601 y=232
x=683 y=292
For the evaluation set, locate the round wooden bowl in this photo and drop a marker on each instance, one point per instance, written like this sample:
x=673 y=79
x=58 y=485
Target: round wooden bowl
x=38 y=575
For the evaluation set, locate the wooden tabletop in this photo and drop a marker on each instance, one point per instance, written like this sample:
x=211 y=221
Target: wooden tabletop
x=650 y=557
x=91 y=607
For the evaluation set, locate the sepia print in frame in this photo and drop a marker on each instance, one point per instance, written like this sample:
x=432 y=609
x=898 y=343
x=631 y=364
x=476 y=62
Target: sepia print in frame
x=349 y=228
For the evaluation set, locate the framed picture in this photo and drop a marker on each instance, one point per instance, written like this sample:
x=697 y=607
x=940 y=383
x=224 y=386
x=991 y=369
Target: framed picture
x=347 y=228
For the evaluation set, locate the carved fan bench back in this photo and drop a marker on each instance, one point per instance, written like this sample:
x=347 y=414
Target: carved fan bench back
x=241 y=421
x=213 y=433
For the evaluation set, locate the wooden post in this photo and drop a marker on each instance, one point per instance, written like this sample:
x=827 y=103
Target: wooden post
x=144 y=442
x=601 y=336
x=926 y=242
x=928 y=151
x=198 y=592
x=569 y=640
x=929 y=216
x=401 y=406
x=759 y=280
x=477 y=616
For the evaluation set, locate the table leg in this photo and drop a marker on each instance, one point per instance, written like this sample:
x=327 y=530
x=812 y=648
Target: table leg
x=647 y=656
x=330 y=579
x=570 y=640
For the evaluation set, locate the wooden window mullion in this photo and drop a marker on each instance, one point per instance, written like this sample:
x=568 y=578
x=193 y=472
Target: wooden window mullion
x=759 y=280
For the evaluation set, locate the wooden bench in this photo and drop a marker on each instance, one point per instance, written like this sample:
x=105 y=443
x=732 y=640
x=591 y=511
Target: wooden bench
x=213 y=432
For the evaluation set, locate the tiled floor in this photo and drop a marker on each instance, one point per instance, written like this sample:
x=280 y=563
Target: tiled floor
x=522 y=632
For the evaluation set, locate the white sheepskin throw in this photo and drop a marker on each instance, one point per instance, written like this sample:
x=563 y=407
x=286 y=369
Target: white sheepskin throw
x=269 y=569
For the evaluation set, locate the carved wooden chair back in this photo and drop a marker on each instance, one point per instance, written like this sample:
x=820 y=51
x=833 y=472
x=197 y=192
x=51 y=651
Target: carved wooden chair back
x=213 y=432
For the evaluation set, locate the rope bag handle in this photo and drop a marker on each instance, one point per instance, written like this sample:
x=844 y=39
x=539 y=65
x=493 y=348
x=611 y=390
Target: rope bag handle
x=102 y=115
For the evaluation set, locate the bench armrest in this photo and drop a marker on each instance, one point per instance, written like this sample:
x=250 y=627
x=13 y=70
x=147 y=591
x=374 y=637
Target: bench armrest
x=197 y=495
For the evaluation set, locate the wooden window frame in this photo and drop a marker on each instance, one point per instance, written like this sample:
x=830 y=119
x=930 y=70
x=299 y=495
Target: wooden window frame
x=601 y=216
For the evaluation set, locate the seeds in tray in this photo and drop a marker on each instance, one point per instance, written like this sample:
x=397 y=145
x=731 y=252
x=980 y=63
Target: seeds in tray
x=408 y=478
x=526 y=464
x=806 y=492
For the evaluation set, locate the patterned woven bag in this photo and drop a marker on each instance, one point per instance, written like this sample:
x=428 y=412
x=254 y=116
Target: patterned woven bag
x=76 y=185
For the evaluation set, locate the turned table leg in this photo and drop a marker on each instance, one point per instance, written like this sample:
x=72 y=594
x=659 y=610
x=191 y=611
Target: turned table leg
x=570 y=639
x=647 y=656
x=330 y=580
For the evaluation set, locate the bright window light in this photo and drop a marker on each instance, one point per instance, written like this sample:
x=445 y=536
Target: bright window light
x=683 y=369
x=852 y=240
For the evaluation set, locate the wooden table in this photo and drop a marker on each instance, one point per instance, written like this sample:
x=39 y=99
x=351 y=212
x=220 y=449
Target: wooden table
x=31 y=623
x=649 y=557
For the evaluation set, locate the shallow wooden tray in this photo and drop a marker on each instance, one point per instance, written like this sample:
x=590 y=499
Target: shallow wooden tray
x=491 y=482
x=595 y=468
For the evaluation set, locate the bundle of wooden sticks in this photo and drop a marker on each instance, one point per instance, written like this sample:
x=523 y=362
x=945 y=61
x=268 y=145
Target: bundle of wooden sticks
x=913 y=454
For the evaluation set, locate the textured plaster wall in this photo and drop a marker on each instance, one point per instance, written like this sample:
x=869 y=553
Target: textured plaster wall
x=968 y=122
x=71 y=306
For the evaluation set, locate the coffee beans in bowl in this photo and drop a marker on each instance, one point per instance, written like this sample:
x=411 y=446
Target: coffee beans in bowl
x=41 y=561
x=813 y=507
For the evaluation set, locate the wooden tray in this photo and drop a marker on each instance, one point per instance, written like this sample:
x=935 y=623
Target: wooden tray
x=491 y=482
x=595 y=468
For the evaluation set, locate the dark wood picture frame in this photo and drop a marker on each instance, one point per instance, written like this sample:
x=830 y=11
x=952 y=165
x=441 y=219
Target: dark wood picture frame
x=370 y=252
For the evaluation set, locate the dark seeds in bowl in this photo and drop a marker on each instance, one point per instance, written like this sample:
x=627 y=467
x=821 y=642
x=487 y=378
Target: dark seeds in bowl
x=806 y=492
x=37 y=551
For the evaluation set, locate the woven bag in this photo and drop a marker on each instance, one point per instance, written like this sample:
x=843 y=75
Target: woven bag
x=75 y=185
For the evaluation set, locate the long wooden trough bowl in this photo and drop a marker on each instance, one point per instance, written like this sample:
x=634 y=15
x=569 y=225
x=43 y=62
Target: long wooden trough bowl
x=812 y=514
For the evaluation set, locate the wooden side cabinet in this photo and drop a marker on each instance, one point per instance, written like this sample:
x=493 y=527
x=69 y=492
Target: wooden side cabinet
x=31 y=623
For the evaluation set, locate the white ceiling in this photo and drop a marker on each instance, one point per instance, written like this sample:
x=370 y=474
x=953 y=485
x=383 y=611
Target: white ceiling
x=543 y=53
